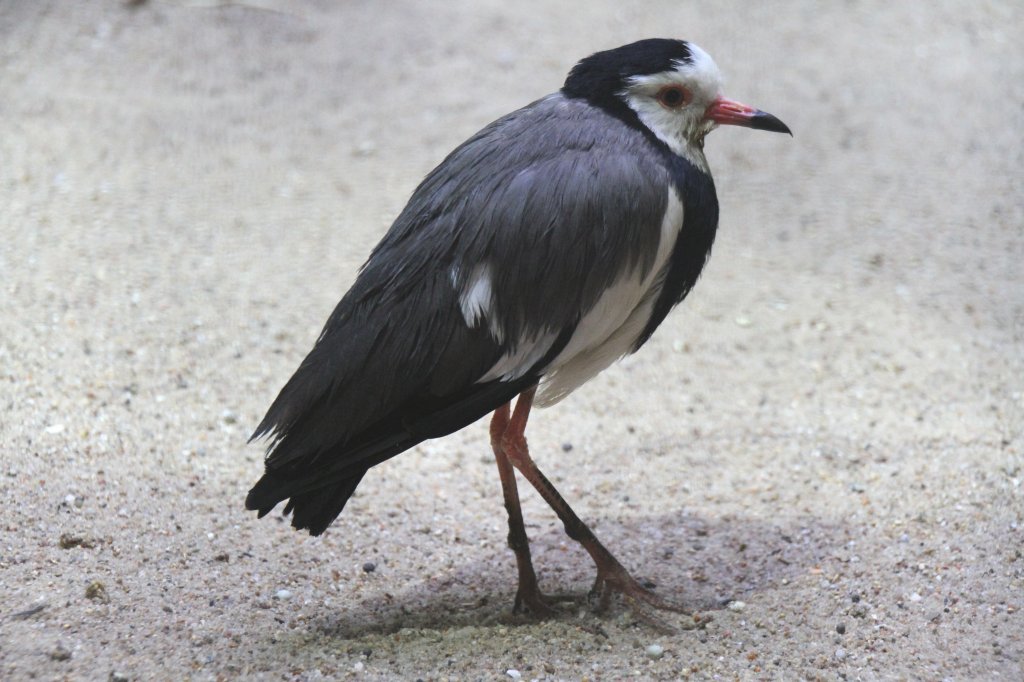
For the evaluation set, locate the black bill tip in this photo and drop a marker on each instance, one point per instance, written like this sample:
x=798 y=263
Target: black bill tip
x=762 y=120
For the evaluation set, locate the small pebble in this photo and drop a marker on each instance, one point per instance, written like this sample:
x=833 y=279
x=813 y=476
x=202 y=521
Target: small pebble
x=369 y=567
x=514 y=674
x=737 y=605
x=60 y=653
x=69 y=541
x=116 y=676
x=841 y=628
x=840 y=654
x=97 y=591
x=914 y=596
x=283 y=594
x=654 y=651
x=358 y=667
x=566 y=447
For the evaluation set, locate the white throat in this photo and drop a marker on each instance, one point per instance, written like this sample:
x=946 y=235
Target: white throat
x=682 y=129
x=684 y=142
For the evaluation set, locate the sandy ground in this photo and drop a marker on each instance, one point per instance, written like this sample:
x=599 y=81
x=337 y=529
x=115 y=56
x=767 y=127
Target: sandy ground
x=821 y=450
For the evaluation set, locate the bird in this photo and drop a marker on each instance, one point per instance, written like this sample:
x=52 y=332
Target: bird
x=541 y=250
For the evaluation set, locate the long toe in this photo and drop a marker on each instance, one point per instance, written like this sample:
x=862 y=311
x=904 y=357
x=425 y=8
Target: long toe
x=613 y=579
x=530 y=599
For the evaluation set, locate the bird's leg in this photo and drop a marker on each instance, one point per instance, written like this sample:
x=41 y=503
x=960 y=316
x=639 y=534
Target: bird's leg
x=612 y=577
x=528 y=594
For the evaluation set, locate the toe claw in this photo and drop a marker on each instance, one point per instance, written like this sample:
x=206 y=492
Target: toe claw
x=613 y=578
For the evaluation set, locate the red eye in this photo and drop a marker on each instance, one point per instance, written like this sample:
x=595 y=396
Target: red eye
x=674 y=96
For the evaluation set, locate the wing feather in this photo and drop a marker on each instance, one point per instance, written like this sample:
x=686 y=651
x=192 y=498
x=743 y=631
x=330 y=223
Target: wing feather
x=559 y=201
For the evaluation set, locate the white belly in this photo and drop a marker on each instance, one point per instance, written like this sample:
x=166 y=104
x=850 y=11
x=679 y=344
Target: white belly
x=610 y=329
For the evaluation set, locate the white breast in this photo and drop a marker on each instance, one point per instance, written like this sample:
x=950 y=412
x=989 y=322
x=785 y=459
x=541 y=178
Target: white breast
x=604 y=334
x=611 y=327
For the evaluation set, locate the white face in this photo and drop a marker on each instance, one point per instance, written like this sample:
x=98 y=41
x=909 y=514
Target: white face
x=672 y=103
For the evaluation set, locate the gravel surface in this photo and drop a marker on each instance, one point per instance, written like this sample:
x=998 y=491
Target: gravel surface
x=820 y=452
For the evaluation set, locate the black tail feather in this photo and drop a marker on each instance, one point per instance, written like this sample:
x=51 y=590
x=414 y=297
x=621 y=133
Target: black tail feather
x=317 y=491
x=312 y=510
x=317 y=494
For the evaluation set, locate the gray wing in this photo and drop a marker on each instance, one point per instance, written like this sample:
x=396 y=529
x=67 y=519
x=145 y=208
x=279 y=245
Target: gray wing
x=557 y=201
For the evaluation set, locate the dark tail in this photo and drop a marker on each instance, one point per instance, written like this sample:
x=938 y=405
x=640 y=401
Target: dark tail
x=317 y=493
x=313 y=509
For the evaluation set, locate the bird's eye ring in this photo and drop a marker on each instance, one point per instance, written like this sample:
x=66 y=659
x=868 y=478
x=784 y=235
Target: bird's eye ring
x=674 y=96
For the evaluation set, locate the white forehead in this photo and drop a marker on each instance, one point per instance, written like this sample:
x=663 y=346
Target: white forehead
x=701 y=74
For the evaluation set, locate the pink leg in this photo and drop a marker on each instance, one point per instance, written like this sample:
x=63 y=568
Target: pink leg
x=612 y=577
x=528 y=595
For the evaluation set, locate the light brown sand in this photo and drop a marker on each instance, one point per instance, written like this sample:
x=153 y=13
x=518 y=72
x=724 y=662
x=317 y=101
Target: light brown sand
x=827 y=435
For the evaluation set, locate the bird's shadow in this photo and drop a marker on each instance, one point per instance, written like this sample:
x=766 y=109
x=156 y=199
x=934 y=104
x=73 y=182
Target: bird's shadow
x=697 y=563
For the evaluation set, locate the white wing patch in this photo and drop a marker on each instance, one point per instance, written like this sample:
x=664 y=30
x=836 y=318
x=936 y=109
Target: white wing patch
x=609 y=330
x=477 y=300
x=520 y=359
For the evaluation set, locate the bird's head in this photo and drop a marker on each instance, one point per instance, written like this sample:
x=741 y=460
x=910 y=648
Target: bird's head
x=673 y=87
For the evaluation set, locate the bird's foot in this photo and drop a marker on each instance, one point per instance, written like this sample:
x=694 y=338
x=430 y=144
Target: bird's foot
x=529 y=598
x=613 y=578
x=534 y=603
